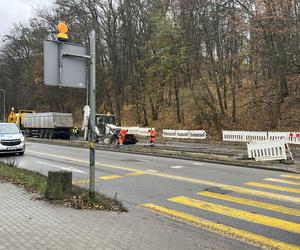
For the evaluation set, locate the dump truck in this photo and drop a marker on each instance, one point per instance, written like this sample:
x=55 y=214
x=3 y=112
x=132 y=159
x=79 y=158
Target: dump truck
x=43 y=125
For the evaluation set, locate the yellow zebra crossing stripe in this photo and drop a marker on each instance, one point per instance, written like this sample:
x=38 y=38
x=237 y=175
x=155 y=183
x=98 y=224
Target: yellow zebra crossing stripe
x=227 y=231
x=253 y=203
x=239 y=214
x=81 y=181
x=283 y=181
x=290 y=176
x=135 y=174
x=268 y=195
x=274 y=187
x=110 y=177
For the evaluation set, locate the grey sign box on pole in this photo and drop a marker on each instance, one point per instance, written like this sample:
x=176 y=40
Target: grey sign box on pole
x=73 y=68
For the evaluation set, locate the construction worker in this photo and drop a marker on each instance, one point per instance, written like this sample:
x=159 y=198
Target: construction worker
x=122 y=135
x=75 y=132
x=152 y=136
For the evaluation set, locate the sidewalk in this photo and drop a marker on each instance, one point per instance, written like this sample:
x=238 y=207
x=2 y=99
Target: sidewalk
x=26 y=223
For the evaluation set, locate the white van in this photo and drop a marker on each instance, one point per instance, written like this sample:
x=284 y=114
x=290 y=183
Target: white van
x=11 y=139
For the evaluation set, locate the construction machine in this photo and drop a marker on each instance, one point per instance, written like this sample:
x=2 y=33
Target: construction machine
x=108 y=131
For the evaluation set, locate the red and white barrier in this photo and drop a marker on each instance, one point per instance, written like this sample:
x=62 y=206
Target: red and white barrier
x=294 y=138
x=252 y=136
x=184 y=134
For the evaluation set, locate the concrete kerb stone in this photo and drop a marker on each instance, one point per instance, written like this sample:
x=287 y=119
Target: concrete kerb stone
x=168 y=153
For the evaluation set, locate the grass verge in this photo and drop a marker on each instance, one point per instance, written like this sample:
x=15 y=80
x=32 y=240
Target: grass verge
x=35 y=182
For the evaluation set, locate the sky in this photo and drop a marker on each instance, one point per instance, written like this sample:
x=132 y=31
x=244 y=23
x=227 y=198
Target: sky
x=15 y=11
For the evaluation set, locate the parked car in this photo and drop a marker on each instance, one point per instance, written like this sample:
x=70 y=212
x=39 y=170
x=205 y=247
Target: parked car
x=12 y=140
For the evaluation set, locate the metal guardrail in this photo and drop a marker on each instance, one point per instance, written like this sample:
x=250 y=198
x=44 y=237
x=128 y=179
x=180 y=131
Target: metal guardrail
x=184 y=134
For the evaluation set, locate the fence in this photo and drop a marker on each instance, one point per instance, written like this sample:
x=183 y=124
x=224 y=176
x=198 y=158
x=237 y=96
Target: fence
x=245 y=136
x=267 y=151
x=184 y=134
x=137 y=131
x=249 y=136
x=294 y=138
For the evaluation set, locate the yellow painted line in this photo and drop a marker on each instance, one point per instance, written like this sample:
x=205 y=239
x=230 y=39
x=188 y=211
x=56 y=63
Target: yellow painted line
x=253 y=203
x=110 y=177
x=227 y=231
x=239 y=214
x=136 y=174
x=290 y=176
x=279 y=188
x=181 y=178
x=268 y=195
x=283 y=181
x=81 y=181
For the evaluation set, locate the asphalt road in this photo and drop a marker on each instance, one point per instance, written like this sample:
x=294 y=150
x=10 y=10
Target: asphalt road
x=258 y=207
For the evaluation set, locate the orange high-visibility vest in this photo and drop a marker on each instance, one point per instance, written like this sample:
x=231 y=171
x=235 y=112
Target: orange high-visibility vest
x=152 y=132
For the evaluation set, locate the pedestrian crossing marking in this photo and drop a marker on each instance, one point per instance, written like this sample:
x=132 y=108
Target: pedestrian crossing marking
x=283 y=181
x=228 y=231
x=253 y=203
x=81 y=181
x=291 y=176
x=239 y=214
x=110 y=177
x=268 y=195
x=135 y=174
x=279 y=188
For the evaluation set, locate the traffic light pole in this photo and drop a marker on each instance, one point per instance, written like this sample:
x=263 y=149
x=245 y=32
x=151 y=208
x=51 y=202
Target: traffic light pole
x=92 y=90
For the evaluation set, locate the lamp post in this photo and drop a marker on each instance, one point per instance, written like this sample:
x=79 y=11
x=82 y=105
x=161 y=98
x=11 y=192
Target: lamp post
x=4 y=118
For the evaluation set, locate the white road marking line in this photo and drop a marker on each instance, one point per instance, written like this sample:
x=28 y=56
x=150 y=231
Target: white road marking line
x=198 y=163
x=144 y=161
x=177 y=167
x=151 y=170
x=63 y=168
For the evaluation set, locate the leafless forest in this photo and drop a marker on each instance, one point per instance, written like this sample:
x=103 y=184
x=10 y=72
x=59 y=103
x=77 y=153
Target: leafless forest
x=206 y=64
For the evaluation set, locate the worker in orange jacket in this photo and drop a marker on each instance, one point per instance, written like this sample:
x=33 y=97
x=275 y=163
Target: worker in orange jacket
x=152 y=136
x=122 y=135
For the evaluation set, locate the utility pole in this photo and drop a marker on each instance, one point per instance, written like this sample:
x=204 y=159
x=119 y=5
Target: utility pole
x=92 y=89
x=4 y=102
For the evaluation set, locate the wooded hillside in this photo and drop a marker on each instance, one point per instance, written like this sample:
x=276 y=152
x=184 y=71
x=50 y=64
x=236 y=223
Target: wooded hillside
x=206 y=64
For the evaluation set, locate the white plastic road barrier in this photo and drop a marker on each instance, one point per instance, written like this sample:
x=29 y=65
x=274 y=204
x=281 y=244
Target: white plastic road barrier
x=169 y=133
x=278 y=136
x=294 y=138
x=132 y=130
x=268 y=150
x=182 y=134
x=144 y=131
x=249 y=136
x=244 y=136
x=197 y=134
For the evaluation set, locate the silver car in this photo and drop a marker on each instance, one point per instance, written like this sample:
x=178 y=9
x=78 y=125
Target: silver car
x=11 y=139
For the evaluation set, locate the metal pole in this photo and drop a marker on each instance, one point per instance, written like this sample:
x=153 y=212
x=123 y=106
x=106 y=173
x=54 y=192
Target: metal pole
x=4 y=108
x=4 y=102
x=92 y=138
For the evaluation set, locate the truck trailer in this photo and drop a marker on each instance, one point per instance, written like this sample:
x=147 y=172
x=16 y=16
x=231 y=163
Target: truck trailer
x=48 y=125
x=43 y=125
